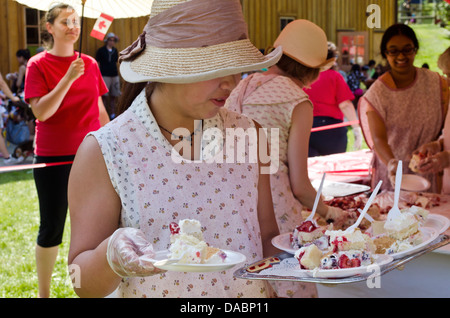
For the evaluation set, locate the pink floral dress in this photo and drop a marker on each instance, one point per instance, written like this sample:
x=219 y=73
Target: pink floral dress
x=156 y=189
x=413 y=116
x=270 y=101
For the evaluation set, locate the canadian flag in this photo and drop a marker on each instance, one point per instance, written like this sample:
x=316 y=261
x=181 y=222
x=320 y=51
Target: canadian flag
x=101 y=26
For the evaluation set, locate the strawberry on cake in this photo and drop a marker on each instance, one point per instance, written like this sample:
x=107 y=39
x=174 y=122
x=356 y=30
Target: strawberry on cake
x=308 y=232
x=345 y=250
x=188 y=245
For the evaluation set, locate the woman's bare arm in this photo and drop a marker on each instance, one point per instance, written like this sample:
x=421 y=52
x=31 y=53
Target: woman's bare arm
x=94 y=212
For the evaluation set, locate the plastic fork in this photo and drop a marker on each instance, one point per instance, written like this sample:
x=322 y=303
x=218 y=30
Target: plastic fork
x=366 y=208
x=319 y=191
x=394 y=212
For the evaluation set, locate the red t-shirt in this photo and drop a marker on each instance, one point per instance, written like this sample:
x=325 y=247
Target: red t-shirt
x=327 y=92
x=62 y=134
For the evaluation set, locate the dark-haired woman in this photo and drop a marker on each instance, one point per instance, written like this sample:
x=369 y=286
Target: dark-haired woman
x=64 y=91
x=403 y=109
x=22 y=57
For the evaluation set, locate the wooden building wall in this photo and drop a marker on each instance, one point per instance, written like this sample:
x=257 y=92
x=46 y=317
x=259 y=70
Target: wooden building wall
x=263 y=17
x=12 y=36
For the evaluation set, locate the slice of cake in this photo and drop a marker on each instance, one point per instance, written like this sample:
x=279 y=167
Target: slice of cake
x=309 y=256
x=188 y=245
x=403 y=226
x=415 y=161
x=308 y=232
x=383 y=243
x=346 y=259
x=345 y=241
x=401 y=233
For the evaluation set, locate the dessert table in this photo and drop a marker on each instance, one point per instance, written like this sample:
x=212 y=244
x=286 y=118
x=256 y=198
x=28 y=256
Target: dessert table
x=426 y=276
x=350 y=166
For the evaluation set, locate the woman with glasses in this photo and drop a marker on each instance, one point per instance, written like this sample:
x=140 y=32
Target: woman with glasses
x=403 y=109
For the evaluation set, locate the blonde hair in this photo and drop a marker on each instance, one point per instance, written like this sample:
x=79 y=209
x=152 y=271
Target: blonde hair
x=50 y=17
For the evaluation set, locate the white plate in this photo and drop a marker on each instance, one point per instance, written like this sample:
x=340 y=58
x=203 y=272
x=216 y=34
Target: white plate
x=379 y=260
x=232 y=259
x=414 y=183
x=438 y=222
x=283 y=242
x=339 y=189
x=429 y=235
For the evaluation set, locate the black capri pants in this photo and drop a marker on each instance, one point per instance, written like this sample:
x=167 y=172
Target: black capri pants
x=51 y=185
x=327 y=142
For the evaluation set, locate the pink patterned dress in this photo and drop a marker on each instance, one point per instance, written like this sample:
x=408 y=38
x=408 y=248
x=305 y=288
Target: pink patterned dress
x=270 y=101
x=156 y=189
x=413 y=116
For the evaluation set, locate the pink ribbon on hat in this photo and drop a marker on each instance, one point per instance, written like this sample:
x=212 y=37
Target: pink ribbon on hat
x=192 y=24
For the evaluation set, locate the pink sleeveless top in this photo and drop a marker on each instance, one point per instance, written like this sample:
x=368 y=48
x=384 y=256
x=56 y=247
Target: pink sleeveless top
x=156 y=190
x=413 y=116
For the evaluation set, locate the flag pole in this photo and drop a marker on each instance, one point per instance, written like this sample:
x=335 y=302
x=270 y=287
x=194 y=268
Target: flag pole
x=81 y=27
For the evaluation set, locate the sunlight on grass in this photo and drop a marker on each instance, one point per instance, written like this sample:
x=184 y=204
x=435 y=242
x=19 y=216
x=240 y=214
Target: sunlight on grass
x=19 y=224
x=433 y=40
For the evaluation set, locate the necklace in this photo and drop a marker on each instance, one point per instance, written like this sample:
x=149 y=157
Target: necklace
x=181 y=137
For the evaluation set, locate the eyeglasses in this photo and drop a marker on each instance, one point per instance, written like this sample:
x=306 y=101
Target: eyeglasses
x=405 y=51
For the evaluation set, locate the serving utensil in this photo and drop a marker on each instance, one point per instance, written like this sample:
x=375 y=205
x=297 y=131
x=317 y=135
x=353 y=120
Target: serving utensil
x=394 y=212
x=316 y=201
x=366 y=208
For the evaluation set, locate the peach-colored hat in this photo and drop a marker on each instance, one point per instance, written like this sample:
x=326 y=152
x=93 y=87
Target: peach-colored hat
x=306 y=43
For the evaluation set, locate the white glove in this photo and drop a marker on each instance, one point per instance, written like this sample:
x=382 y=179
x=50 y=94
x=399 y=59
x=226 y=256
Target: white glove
x=128 y=253
x=357 y=145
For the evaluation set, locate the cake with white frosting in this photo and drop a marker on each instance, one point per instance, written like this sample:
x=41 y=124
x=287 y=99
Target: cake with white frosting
x=187 y=244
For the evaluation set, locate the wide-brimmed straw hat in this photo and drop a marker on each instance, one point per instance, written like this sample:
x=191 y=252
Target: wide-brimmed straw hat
x=189 y=41
x=306 y=43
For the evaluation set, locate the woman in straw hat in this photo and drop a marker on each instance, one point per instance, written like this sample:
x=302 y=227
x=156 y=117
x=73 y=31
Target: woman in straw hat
x=64 y=91
x=275 y=99
x=147 y=168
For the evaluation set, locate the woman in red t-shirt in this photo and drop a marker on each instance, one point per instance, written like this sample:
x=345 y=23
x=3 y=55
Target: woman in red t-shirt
x=64 y=91
x=332 y=100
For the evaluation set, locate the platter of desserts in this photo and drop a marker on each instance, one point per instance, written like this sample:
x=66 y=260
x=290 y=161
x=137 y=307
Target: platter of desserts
x=339 y=272
x=188 y=251
x=286 y=268
x=315 y=250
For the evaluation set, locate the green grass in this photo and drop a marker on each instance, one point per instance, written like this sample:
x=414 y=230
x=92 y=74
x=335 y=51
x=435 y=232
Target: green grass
x=19 y=224
x=433 y=41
